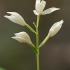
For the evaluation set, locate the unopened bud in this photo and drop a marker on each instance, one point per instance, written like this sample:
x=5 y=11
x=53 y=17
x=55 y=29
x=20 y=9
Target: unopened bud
x=55 y=28
x=16 y=18
x=22 y=37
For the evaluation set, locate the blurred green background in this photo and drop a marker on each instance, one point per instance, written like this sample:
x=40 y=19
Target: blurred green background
x=54 y=55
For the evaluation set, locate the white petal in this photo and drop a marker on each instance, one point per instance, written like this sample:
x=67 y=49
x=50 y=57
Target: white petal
x=35 y=12
x=16 y=18
x=18 y=39
x=50 y=10
x=12 y=13
x=37 y=1
x=43 y=2
x=55 y=28
x=22 y=34
x=40 y=7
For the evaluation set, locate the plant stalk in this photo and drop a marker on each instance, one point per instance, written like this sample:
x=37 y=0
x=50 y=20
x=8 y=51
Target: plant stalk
x=37 y=59
x=37 y=43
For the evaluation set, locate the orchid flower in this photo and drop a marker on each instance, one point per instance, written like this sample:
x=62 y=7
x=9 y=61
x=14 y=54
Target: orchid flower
x=39 y=7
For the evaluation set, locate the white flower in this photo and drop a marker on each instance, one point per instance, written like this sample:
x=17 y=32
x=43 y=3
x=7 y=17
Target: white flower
x=55 y=28
x=22 y=37
x=16 y=18
x=39 y=7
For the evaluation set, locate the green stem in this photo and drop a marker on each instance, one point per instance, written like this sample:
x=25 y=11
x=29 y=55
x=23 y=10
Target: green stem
x=30 y=28
x=37 y=43
x=37 y=58
x=44 y=41
x=38 y=18
x=33 y=47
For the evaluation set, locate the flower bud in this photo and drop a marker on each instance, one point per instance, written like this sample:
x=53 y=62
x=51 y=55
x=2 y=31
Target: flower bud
x=16 y=18
x=22 y=37
x=55 y=28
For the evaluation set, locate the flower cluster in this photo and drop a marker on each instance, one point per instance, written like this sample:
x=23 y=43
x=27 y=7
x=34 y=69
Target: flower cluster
x=23 y=37
x=39 y=10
